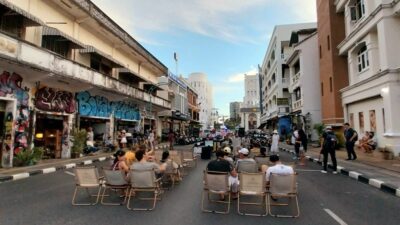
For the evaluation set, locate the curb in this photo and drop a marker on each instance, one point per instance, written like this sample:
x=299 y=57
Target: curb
x=388 y=188
x=19 y=176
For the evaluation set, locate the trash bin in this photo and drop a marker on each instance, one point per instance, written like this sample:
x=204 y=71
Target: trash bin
x=206 y=152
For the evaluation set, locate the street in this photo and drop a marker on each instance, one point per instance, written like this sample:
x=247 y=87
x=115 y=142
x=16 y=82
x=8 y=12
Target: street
x=323 y=199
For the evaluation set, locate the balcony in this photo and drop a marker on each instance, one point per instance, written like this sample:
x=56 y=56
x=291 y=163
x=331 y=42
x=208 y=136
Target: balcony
x=20 y=51
x=297 y=105
x=295 y=79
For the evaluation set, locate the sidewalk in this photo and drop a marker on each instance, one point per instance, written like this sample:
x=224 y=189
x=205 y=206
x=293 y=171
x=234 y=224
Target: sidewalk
x=52 y=165
x=368 y=168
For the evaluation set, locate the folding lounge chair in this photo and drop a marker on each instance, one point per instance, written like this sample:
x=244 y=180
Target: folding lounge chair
x=189 y=159
x=143 y=181
x=247 y=166
x=114 y=180
x=87 y=178
x=283 y=186
x=252 y=184
x=262 y=161
x=216 y=183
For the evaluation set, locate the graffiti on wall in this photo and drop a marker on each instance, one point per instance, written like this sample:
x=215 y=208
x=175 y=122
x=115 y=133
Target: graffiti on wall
x=98 y=106
x=53 y=100
x=11 y=86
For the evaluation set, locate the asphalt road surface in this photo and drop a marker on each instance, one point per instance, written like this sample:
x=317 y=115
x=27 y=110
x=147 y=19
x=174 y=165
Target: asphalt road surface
x=324 y=199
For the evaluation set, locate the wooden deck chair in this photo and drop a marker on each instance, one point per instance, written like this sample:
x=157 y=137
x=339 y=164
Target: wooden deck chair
x=283 y=186
x=114 y=180
x=189 y=159
x=176 y=156
x=171 y=174
x=252 y=184
x=247 y=166
x=216 y=183
x=143 y=181
x=87 y=178
x=262 y=161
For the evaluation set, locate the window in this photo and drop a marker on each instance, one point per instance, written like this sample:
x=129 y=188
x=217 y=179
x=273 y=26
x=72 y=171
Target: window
x=330 y=84
x=11 y=23
x=54 y=44
x=357 y=11
x=362 y=59
x=329 y=42
x=322 y=89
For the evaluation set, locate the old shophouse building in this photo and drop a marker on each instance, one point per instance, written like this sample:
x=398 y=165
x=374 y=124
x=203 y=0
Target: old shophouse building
x=71 y=67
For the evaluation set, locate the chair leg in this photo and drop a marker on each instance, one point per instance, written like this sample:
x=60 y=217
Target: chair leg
x=285 y=216
x=108 y=203
x=90 y=196
x=228 y=203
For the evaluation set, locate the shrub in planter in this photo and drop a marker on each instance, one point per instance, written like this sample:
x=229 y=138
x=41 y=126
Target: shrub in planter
x=78 y=142
x=28 y=157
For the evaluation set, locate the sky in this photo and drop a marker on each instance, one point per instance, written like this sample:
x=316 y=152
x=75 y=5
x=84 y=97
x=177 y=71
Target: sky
x=223 y=38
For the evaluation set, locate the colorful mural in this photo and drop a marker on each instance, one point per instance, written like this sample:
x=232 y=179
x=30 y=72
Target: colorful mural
x=11 y=86
x=53 y=100
x=98 y=106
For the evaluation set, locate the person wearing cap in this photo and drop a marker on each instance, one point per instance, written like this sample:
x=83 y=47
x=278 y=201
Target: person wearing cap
x=244 y=155
x=278 y=168
x=329 y=147
x=274 y=143
x=228 y=152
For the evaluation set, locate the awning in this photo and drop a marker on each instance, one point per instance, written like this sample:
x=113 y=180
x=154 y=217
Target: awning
x=92 y=50
x=132 y=75
x=147 y=86
x=51 y=31
x=29 y=19
x=262 y=125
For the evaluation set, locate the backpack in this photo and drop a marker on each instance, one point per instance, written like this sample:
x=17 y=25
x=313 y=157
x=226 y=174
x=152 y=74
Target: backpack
x=330 y=141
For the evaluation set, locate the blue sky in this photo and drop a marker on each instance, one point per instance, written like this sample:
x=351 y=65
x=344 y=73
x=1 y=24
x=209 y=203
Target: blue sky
x=223 y=38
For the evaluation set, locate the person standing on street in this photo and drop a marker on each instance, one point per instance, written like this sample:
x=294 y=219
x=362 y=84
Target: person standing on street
x=297 y=142
x=151 y=139
x=351 y=137
x=274 y=143
x=328 y=147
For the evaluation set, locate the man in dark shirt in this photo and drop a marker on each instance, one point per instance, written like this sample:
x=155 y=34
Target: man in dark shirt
x=222 y=165
x=351 y=137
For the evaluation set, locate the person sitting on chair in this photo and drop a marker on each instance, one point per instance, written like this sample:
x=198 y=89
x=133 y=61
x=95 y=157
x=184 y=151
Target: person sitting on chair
x=278 y=168
x=222 y=165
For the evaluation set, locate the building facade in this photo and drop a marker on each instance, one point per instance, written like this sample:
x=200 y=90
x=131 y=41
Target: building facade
x=234 y=109
x=371 y=100
x=204 y=89
x=304 y=81
x=59 y=72
x=250 y=110
x=274 y=74
x=332 y=66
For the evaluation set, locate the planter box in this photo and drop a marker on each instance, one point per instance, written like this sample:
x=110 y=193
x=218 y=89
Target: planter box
x=75 y=155
x=387 y=155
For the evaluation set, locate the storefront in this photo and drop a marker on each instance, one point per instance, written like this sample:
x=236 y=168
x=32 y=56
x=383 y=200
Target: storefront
x=54 y=112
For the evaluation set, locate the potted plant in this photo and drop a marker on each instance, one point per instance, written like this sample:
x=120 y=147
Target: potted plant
x=28 y=157
x=319 y=128
x=78 y=142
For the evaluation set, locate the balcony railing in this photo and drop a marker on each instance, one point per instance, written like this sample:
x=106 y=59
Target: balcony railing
x=22 y=52
x=296 y=78
x=297 y=105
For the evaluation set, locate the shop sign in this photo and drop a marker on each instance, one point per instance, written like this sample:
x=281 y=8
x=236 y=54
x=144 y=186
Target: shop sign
x=98 y=106
x=176 y=80
x=53 y=100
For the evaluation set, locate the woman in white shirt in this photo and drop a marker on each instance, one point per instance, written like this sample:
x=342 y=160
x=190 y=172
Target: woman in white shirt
x=274 y=143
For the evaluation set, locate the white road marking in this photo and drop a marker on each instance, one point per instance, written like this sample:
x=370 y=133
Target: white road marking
x=303 y=170
x=335 y=217
x=398 y=192
x=339 y=168
x=375 y=183
x=70 y=173
x=71 y=165
x=354 y=174
x=49 y=170
x=102 y=159
x=20 y=176
x=87 y=162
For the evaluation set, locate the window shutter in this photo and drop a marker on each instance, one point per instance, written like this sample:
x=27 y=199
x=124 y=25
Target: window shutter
x=353 y=13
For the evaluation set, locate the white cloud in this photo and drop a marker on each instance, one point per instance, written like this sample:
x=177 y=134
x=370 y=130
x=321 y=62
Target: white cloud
x=221 y=19
x=239 y=77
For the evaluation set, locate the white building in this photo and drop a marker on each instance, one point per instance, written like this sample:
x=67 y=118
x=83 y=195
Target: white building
x=204 y=89
x=371 y=102
x=304 y=81
x=250 y=109
x=274 y=74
